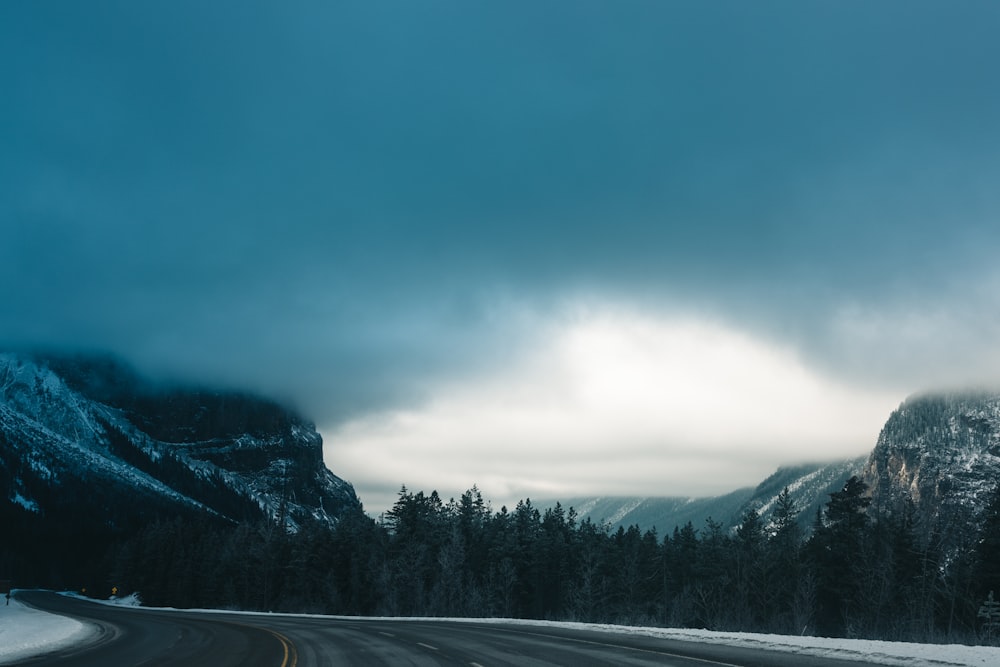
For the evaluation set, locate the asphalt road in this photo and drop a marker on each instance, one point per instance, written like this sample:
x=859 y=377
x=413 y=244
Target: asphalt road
x=155 y=637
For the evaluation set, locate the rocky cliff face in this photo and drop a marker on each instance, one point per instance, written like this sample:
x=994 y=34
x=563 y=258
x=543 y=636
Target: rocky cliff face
x=89 y=437
x=942 y=454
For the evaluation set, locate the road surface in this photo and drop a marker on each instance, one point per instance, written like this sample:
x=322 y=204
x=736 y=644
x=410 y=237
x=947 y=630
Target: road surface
x=131 y=636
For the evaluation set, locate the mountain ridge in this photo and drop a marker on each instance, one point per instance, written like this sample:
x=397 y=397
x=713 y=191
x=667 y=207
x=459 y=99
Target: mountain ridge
x=937 y=457
x=808 y=484
x=89 y=430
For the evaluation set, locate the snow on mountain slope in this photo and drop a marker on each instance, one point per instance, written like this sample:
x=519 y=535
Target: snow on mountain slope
x=809 y=486
x=52 y=434
x=938 y=456
x=88 y=433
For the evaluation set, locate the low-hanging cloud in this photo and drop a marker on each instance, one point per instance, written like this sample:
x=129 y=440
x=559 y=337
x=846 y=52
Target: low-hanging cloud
x=624 y=403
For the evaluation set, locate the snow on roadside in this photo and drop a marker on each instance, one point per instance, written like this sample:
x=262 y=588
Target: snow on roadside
x=131 y=600
x=25 y=631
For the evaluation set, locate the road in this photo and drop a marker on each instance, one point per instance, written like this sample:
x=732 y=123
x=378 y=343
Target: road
x=131 y=636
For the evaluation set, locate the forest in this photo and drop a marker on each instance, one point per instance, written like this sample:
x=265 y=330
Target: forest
x=854 y=575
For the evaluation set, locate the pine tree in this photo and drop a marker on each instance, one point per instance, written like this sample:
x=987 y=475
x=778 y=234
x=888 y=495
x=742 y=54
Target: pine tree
x=986 y=571
x=714 y=571
x=751 y=589
x=837 y=552
x=784 y=570
x=990 y=613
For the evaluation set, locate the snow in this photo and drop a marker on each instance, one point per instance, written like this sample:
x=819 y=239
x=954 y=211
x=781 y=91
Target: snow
x=26 y=503
x=131 y=600
x=585 y=508
x=625 y=510
x=766 y=508
x=25 y=632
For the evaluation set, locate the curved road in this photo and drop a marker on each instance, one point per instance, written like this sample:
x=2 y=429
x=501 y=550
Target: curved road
x=130 y=636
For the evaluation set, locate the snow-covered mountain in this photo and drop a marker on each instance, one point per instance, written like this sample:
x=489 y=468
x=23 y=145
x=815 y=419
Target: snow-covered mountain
x=942 y=454
x=87 y=437
x=809 y=486
x=938 y=457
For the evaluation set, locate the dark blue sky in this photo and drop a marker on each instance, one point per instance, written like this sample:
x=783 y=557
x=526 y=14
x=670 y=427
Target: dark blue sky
x=347 y=204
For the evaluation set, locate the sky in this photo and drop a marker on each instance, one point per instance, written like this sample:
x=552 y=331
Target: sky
x=550 y=249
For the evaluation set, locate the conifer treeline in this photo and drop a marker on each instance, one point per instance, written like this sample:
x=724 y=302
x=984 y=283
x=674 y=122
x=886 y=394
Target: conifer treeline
x=855 y=576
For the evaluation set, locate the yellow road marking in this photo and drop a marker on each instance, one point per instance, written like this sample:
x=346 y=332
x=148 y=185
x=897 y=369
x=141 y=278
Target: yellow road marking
x=291 y=658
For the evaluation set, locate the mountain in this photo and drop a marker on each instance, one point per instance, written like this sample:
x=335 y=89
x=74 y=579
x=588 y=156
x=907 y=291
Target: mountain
x=659 y=513
x=808 y=484
x=938 y=456
x=87 y=437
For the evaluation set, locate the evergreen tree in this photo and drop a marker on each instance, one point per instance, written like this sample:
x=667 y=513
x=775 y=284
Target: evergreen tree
x=750 y=603
x=714 y=572
x=989 y=613
x=856 y=576
x=837 y=552
x=986 y=572
x=590 y=595
x=784 y=572
x=681 y=554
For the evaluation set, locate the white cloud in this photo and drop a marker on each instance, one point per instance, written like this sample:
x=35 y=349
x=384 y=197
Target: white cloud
x=615 y=403
x=935 y=344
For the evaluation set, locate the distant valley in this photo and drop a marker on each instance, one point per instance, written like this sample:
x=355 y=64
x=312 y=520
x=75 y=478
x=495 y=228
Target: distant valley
x=195 y=497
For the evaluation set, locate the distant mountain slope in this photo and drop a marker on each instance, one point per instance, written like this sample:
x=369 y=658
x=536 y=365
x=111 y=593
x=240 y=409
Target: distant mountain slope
x=662 y=514
x=87 y=437
x=808 y=484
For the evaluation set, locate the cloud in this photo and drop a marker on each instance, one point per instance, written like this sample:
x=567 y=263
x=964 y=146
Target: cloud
x=376 y=210
x=616 y=402
x=928 y=345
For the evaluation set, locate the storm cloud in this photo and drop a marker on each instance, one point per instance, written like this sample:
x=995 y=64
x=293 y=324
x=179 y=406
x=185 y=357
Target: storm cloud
x=370 y=209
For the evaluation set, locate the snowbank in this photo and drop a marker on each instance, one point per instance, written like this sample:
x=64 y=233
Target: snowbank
x=25 y=632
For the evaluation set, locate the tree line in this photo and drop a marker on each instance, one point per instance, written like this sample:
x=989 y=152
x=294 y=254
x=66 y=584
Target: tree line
x=857 y=574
